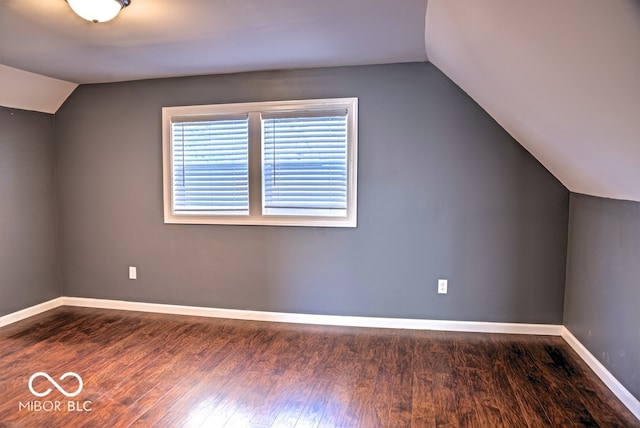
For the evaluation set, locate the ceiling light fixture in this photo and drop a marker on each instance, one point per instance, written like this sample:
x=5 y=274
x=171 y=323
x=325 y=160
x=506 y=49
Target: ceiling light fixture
x=98 y=10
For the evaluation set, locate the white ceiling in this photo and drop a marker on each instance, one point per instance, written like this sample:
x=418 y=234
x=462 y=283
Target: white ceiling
x=162 y=38
x=561 y=76
x=30 y=91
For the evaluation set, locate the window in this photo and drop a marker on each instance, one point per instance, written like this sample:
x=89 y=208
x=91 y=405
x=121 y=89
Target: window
x=290 y=163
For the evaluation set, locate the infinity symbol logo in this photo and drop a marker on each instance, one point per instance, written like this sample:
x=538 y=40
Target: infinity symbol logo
x=53 y=382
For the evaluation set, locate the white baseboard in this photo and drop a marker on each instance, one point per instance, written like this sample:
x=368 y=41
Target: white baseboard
x=601 y=371
x=338 y=320
x=30 y=311
x=285 y=317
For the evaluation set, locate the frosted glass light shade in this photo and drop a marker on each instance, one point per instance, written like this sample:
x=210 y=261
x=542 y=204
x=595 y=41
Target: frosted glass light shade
x=97 y=10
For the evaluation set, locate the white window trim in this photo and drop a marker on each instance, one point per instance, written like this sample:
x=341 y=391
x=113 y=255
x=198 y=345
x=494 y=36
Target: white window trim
x=255 y=216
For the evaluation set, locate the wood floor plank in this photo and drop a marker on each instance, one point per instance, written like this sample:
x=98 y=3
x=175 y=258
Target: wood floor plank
x=154 y=370
x=510 y=410
x=311 y=415
x=423 y=411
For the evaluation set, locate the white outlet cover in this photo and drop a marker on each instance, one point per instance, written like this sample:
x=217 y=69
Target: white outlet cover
x=442 y=286
x=133 y=272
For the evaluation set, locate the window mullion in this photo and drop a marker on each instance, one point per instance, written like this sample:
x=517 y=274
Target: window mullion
x=255 y=164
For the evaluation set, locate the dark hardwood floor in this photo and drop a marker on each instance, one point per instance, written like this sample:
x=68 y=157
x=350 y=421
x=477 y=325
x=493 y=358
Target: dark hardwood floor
x=144 y=370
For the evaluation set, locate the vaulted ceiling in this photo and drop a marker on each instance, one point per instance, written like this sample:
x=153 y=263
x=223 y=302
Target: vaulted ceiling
x=562 y=77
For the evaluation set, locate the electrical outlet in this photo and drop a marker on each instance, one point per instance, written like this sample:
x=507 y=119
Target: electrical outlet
x=133 y=272
x=442 y=286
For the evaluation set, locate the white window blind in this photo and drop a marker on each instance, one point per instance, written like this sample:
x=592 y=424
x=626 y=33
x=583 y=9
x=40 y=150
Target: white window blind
x=210 y=165
x=278 y=163
x=305 y=164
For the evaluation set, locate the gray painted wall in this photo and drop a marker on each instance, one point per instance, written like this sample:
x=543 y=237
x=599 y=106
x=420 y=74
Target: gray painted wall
x=603 y=283
x=444 y=192
x=28 y=224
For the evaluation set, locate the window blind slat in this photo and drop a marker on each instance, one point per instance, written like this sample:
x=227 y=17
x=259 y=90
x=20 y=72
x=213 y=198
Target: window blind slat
x=305 y=162
x=211 y=165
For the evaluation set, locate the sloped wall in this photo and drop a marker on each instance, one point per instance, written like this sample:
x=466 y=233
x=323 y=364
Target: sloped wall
x=28 y=223
x=444 y=192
